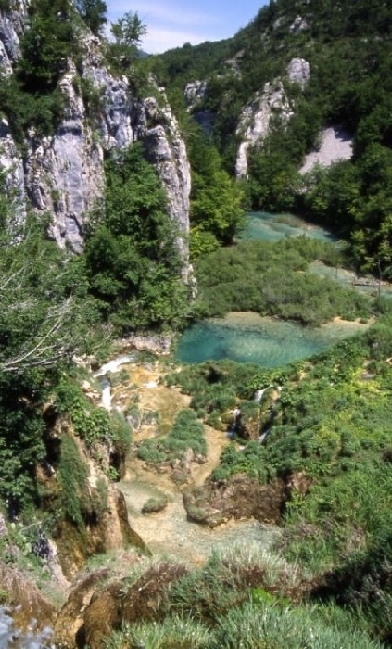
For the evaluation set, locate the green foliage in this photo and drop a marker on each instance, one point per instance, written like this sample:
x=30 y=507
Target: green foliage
x=174 y=631
x=273 y=280
x=46 y=313
x=265 y=627
x=216 y=201
x=127 y=33
x=347 y=47
x=131 y=254
x=212 y=385
x=186 y=433
x=47 y=45
x=72 y=478
x=92 y=98
x=90 y=422
x=21 y=435
x=25 y=110
x=93 y=13
x=45 y=318
x=156 y=504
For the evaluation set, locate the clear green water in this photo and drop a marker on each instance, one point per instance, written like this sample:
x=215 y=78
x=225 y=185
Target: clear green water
x=268 y=342
x=348 y=278
x=271 y=343
x=273 y=227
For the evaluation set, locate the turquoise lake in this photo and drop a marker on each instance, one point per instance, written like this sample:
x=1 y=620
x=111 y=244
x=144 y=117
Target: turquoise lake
x=248 y=338
x=265 y=226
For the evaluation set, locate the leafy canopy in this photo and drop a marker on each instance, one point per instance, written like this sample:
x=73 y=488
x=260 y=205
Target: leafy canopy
x=132 y=256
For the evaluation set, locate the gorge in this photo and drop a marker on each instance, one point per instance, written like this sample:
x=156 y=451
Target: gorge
x=195 y=436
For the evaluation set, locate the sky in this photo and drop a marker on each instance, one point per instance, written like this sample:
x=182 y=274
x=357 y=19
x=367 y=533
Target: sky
x=171 y=23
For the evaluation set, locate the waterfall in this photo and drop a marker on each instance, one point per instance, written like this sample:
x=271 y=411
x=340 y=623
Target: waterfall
x=12 y=637
x=103 y=374
x=259 y=394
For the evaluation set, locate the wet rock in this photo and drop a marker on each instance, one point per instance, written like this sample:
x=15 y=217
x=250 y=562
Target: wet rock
x=70 y=618
x=25 y=603
x=239 y=497
x=122 y=602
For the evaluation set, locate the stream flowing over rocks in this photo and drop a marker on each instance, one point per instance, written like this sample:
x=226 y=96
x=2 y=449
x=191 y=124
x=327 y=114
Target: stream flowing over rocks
x=178 y=535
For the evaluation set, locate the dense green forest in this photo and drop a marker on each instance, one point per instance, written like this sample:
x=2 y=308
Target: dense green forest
x=326 y=419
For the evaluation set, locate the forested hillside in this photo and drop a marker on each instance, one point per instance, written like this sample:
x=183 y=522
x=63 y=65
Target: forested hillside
x=348 y=46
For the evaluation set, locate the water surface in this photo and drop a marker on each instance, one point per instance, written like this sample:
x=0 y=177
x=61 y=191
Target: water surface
x=249 y=338
x=265 y=226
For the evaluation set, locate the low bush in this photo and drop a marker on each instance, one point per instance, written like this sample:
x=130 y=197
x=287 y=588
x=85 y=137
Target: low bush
x=272 y=625
x=187 y=433
x=274 y=279
x=154 y=505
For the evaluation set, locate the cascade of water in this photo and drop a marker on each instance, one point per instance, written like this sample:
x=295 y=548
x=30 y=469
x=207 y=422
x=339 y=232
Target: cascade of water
x=104 y=371
x=12 y=637
x=258 y=395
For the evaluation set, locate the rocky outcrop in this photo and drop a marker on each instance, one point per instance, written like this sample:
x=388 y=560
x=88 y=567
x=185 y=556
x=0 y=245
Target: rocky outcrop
x=335 y=144
x=63 y=175
x=298 y=72
x=241 y=497
x=102 y=525
x=160 y=345
x=237 y=498
x=194 y=95
x=272 y=102
x=11 y=26
x=157 y=127
x=123 y=602
x=26 y=604
x=94 y=610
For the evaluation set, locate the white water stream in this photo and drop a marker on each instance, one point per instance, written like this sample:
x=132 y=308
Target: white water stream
x=10 y=637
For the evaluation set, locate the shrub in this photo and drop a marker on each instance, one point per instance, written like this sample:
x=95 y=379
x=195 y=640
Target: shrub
x=174 y=632
x=154 y=505
x=265 y=627
x=186 y=433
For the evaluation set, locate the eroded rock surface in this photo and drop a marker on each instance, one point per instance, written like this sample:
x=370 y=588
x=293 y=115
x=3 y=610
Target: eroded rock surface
x=241 y=497
x=272 y=101
x=63 y=175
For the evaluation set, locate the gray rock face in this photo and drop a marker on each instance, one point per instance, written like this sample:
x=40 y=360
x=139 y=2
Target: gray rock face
x=194 y=94
x=12 y=165
x=255 y=120
x=298 y=71
x=11 y=26
x=63 y=175
x=335 y=145
x=299 y=25
x=273 y=101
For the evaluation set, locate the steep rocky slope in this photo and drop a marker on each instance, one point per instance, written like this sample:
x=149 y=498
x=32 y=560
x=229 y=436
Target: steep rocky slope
x=63 y=175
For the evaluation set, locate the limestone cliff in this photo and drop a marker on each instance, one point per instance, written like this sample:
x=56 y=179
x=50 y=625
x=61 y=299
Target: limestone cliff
x=195 y=94
x=272 y=101
x=63 y=175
